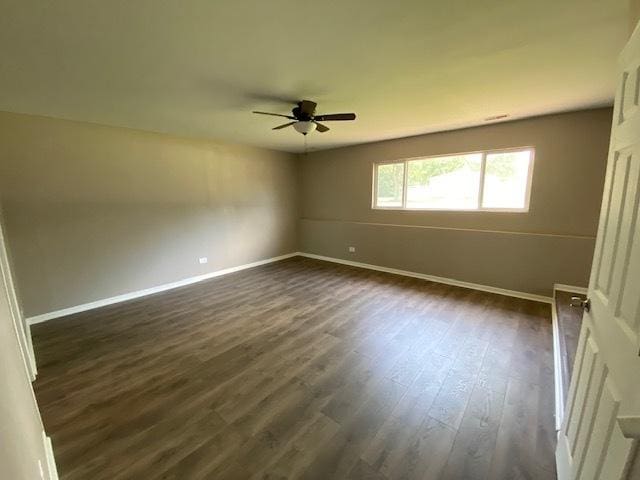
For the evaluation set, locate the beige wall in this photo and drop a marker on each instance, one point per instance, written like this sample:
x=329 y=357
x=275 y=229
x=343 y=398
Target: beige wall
x=552 y=243
x=93 y=212
x=634 y=8
x=21 y=440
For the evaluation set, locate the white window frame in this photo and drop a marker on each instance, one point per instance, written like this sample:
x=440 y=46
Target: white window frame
x=484 y=153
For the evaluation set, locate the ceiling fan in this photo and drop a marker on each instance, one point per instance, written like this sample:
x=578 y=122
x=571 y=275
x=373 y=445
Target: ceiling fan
x=305 y=119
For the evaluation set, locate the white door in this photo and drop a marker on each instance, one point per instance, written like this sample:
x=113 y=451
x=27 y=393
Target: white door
x=601 y=427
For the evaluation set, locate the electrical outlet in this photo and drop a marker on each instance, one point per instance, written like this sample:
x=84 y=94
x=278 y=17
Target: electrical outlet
x=352 y=249
x=203 y=260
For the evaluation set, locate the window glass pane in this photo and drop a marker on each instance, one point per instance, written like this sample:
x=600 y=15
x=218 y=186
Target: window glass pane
x=450 y=183
x=505 y=179
x=389 y=189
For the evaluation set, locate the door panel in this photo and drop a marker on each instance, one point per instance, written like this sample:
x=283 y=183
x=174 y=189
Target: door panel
x=630 y=91
x=628 y=300
x=611 y=233
x=603 y=427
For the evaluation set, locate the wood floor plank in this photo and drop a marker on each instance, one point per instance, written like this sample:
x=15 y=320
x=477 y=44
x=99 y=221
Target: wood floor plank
x=475 y=441
x=425 y=455
x=301 y=369
x=407 y=417
x=337 y=457
x=518 y=453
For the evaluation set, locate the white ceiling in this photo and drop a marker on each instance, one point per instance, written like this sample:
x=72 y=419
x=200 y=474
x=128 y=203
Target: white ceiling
x=198 y=67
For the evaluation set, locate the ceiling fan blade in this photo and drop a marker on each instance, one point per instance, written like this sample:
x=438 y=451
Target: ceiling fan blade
x=276 y=115
x=335 y=116
x=321 y=128
x=283 y=126
x=308 y=107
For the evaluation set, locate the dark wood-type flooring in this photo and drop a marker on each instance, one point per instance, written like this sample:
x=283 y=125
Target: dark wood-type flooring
x=302 y=369
x=569 y=324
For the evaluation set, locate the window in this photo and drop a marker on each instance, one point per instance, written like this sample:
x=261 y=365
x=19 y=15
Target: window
x=506 y=179
x=492 y=180
x=444 y=182
x=390 y=181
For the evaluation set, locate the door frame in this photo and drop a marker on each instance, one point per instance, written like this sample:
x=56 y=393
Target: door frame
x=23 y=331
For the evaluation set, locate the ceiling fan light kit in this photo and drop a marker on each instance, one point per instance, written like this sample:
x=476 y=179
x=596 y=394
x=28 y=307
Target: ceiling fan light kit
x=304 y=127
x=305 y=119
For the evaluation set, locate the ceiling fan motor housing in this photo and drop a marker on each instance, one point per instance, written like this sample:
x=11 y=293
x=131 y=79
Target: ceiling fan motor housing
x=303 y=115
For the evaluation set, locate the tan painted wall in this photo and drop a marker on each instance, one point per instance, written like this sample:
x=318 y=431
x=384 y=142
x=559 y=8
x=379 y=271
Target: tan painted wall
x=552 y=243
x=634 y=8
x=21 y=441
x=93 y=212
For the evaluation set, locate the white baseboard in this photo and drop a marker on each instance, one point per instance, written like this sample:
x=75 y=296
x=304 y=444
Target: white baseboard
x=187 y=281
x=558 y=378
x=51 y=461
x=433 y=278
x=149 y=291
x=563 y=458
x=569 y=288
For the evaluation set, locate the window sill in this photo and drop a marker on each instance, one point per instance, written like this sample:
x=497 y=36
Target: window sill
x=450 y=210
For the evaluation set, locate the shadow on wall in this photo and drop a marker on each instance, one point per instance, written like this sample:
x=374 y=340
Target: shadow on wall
x=93 y=212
